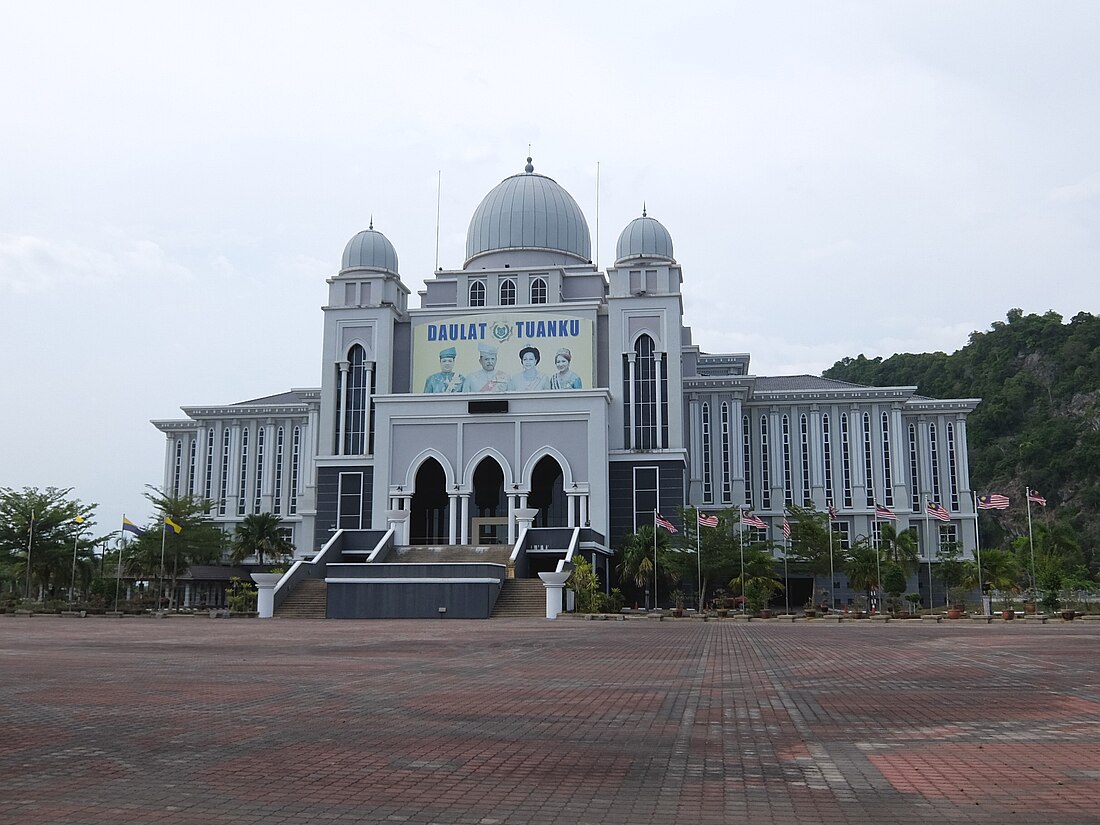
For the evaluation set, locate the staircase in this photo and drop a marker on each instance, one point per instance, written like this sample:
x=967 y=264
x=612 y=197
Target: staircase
x=443 y=554
x=521 y=599
x=307 y=601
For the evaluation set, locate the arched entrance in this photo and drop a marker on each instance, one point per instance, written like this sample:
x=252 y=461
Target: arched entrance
x=548 y=494
x=490 y=517
x=428 y=521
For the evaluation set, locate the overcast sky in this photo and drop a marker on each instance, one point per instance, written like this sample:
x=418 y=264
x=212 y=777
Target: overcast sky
x=178 y=180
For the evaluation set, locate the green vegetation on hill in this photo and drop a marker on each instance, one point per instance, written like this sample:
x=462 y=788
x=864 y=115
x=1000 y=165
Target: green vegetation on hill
x=1039 y=421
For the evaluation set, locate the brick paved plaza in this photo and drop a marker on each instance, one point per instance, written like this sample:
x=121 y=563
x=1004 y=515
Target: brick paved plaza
x=284 y=721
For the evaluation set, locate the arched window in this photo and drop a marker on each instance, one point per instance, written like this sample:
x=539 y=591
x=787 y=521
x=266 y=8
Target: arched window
x=788 y=481
x=868 y=463
x=914 y=490
x=846 y=459
x=507 y=292
x=827 y=458
x=765 y=466
x=223 y=486
x=178 y=469
x=242 y=486
x=746 y=455
x=257 y=498
x=887 y=466
x=295 y=469
x=192 y=461
x=727 y=482
x=708 y=483
x=539 y=292
x=355 y=418
x=208 y=485
x=952 y=466
x=650 y=396
x=279 y=453
x=804 y=442
x=477 y=293
x=934 y=455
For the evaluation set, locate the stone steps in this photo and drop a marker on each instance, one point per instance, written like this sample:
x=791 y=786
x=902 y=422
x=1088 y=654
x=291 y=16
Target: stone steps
x=521 y=599
x=307 y=601
x=450 y=554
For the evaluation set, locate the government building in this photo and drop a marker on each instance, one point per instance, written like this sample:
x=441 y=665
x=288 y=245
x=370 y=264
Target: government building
x=532 y=402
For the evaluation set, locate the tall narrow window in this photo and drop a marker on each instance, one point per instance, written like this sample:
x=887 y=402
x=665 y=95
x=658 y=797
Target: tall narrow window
x=708 y=484
x=277 y=504
x=242 y=486
x=765 y=466
x=827 y=458
x=257 y=498
x=746 y=456
x=952 y=467
x=477 y=293
x=177 y=470
x=788 y=480
x=645 y=496
x=914 y=490
x=727 y=476
x=934 y=455
x=192 y=463
x=887 y=467
x=355 y=419
x=539 y=291
x=949 y=535
x=349 y=514
x=645 y=394
x=507 y=292
x=804 y=442
x=843 y=533
x=868 y=463
x=846 y=459
x=295 y=468
x=223 y=488
x=208 y=484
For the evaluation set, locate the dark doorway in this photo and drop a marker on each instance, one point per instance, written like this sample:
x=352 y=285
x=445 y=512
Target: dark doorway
x=428 y=523
x=548 y=495
x=490 y=516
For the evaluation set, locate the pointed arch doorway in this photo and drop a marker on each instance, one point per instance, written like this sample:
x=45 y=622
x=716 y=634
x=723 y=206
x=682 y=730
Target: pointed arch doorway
x=429 y=509
x=548 y=494
x=489 y=520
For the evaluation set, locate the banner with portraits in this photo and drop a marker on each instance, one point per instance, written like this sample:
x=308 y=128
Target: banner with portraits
x=503 y=351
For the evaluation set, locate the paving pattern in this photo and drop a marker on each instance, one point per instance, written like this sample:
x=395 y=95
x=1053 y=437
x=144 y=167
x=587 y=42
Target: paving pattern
x=105 y=722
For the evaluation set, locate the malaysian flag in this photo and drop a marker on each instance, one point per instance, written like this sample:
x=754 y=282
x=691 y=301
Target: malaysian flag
x=1032 y=495
x=786 y=528
x=884 y=512
x=937 y=511
x=749 y=520
x=834 y=514
x=994 y=501
x=708 y=521
x=664 y=522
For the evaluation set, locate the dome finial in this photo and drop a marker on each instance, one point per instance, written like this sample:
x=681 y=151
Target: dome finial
x=371 y=224
x=528 y=168
x=643 y=209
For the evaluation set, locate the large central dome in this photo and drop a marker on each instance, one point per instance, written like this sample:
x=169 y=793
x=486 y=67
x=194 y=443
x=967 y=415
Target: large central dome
x=529 y=213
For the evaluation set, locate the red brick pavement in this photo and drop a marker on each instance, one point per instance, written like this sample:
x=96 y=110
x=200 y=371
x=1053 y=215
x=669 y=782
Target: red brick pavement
x=104 y=722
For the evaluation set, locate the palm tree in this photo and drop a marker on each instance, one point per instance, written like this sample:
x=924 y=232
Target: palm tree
x=636 y=561
x=1001 y=569
x=862 y=566
x=900 y=547
x=260 y=535
x=759 y=575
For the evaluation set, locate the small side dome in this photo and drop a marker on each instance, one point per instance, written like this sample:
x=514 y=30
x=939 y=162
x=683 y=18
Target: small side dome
x=644 y=237
x=370 y=249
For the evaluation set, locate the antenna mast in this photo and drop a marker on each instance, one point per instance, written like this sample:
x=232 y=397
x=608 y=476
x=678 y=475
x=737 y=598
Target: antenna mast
x=597 y=214
x=438 y=198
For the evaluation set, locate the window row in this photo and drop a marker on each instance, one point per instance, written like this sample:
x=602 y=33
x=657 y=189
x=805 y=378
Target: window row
x=508 y=293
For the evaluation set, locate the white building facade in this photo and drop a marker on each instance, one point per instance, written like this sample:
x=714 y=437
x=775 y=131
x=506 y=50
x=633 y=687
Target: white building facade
x=528 y=380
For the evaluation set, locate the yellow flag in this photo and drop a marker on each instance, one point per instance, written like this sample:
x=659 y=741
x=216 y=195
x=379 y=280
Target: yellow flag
x=79 y=519
x=172 y=524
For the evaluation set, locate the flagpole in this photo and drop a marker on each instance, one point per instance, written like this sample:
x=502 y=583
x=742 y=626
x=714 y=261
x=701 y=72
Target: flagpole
x=72 y=584
x=927 y=527
x=699 y=559
x=786 y=578
x=118 y=574
x=163 y=541
x=742 y=534
x=978 y=555
x=654 y=559
x=832 y=578
x=1031 y=542
x=30 y=542
x=878 y=561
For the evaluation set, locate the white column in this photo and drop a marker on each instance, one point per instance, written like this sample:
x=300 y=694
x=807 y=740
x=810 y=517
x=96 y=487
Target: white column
x=343 y=392
x=511 y=519
x=452 y=514
x=630 y=441
x=369 y=367
x=554 y=583
x=657 y=395
x=464 y=526
x=572 y=499
x=584 y=510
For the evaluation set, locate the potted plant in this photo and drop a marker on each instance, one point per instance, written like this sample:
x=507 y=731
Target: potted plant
x=809 y=610
x=914 y=602
x=957 y=595
x=720 y=603
x=757 y=594
x=678 y=598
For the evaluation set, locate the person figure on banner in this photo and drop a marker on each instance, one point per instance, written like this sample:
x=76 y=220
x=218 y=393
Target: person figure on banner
x=446 y=380
x=564 y=378
x=530 y=378
x=488 y=378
